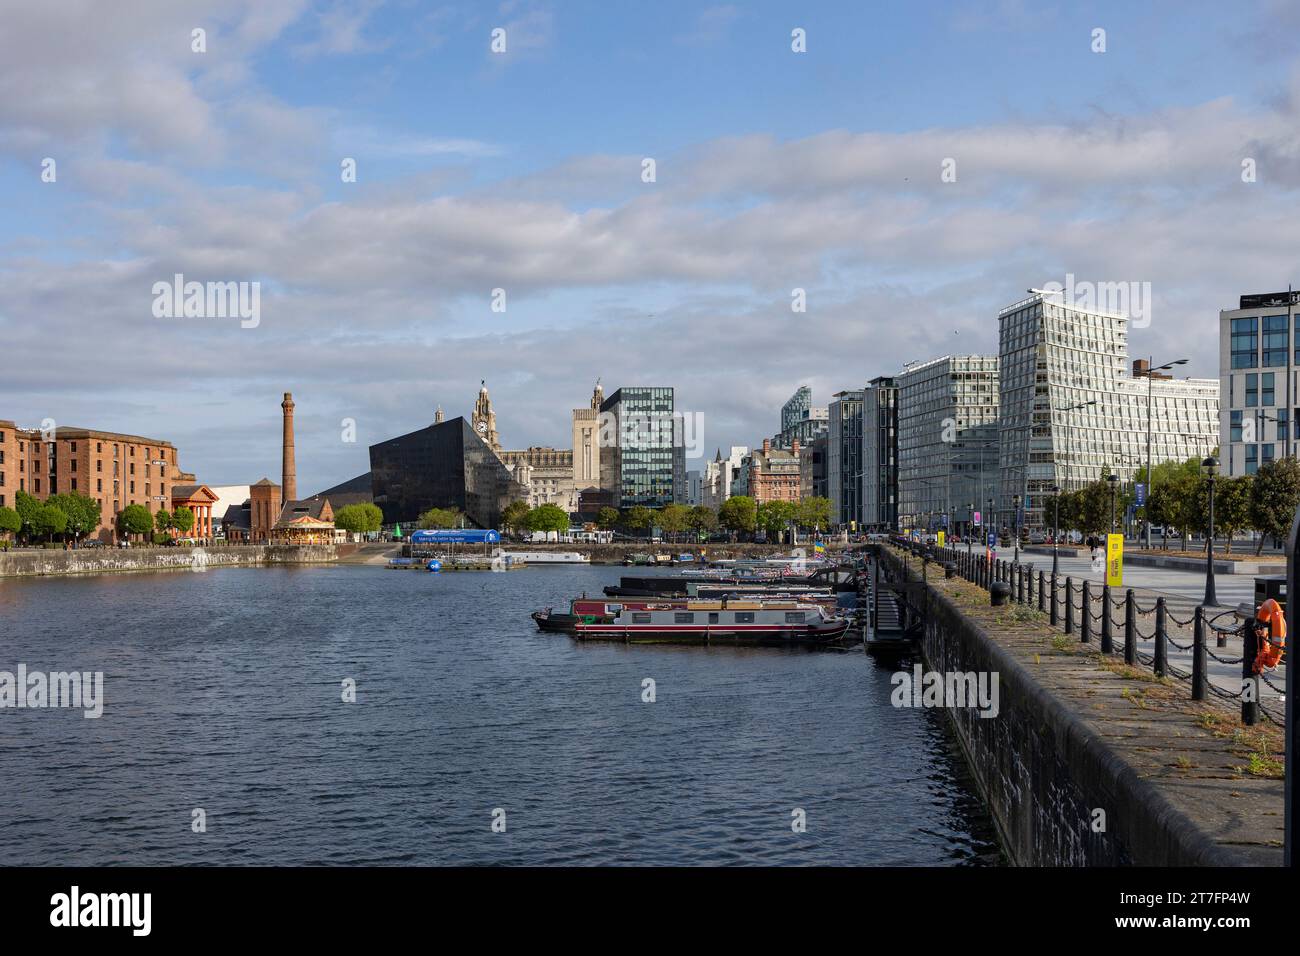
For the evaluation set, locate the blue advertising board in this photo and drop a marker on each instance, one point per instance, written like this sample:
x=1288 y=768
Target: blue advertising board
x=455 y=536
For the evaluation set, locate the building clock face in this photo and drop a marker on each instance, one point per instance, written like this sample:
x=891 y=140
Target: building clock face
x=482 y=426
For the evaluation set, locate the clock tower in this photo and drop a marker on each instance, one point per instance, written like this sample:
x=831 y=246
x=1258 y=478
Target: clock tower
x=484 y=419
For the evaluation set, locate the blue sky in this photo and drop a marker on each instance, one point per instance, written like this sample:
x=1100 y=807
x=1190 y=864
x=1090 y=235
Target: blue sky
x=775 y=170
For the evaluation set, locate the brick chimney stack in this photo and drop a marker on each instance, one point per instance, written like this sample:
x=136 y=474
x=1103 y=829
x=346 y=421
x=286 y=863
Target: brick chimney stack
x=794 y=448
x=289 y=478
x=767 y=446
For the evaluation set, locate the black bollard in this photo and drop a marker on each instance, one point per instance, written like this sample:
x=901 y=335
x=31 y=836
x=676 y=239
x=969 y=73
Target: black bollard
x=1130 y=629
x=1107 y=641
x=1085 y=623
x=1069 y=606
x=1161 y=664
x=1199 y=659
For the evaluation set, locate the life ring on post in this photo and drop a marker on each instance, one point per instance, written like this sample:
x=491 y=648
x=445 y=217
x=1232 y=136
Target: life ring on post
x=1271 y=616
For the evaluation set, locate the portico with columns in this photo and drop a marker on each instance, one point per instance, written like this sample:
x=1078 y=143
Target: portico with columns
x=199 y=499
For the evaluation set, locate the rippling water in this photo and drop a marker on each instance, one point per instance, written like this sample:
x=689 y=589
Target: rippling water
x=223 y=692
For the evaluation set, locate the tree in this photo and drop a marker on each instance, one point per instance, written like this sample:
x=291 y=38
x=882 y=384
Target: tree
x=360 y=518
x=514 y=517
x=702 y=518
x=672 y=518
x=1232 y=507
x=29 y=510
x=163 y=520
x=440 y=518
x=135 y=519
x=774 y=516
x=183 y=519
x=10 y=521
x=637 y=518
x=548 y=517
x=606 y=518
x=738 y=514
x=813 y=512
x=50 y=520
x=83 y=512
x=1274 y=498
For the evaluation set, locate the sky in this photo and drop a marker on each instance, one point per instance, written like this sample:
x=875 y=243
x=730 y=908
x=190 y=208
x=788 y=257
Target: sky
x=525 y=171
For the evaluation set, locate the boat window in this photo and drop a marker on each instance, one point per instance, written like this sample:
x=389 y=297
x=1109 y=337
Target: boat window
x=794 y=617
x=683 y=617
x=744 y=617
x=713 y=617
x=640 y=617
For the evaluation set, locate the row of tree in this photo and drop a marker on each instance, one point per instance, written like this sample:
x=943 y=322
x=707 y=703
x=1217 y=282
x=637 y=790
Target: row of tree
x=1265 y=502
x=73 y=515
x=739 y=515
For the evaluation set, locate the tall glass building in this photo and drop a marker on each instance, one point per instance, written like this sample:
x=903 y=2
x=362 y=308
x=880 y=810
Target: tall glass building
x=1259 y=354
x=947 y=439
x=801 y=421
x=642 y=461
x=1072 y=412
x=844 y=459
x=880 y=454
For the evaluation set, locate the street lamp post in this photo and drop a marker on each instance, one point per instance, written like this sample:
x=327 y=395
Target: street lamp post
x=1056 y=526
x=1016 y=522
x=1113 y=479
x=970 y=534
x=993 y=522
x=1152 y=368
x=1210 y=468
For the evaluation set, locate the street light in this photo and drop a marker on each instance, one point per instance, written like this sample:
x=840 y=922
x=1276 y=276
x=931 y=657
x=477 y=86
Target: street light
x=1056 y=526
x=970 y=517
x=993 y=523
x=1016 y=522
x=1210 y=468
x=1114 y=483
x=1152 y=368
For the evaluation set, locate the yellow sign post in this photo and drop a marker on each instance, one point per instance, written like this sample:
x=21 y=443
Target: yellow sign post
x=940 y=536
x=1115 y=560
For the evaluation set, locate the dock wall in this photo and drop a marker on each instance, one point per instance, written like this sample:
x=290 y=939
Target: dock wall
x=1077 y=742
x=36 y=562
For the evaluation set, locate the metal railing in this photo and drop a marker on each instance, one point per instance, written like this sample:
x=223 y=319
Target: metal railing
x=1070 y=605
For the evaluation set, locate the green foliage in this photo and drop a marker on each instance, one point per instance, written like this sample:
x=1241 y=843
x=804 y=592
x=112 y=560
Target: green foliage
x=813 y=513
x=673 y=518
x=29 y=509
x=1274 y=498
x=440 y=518
x=514 y=517
x=607 y=518
x=775 y=516
x=135 y=519
x=548 y=517
x=702 y=518
x=360 y=518
x=51 y=520
x=637 y=518
x=163 y=520
x=82 y=511
x=1232 y=498
x=183 y=520
x=738 y=513
x=10 y=521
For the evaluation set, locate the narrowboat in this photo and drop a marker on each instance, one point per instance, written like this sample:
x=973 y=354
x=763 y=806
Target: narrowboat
x=697 y=622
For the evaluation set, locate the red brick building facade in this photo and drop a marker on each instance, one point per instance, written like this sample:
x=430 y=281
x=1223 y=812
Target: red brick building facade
x=774 y=473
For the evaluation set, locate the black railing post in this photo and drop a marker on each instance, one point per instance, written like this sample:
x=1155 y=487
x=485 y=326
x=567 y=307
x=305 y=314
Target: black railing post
x=1042 y=598
x=1069 y=605
x=1199 y=660
x=1085 y=623
x=1161 y=664
x=1055 y=614
x=1107 y=639
x=1130 y=628
x=1020 y=584
x=1249 y=681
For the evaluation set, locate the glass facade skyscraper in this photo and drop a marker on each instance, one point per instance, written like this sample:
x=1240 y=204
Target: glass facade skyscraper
x=844 y=459
x=880 y=454
x=642 y=461
x=1259 y=363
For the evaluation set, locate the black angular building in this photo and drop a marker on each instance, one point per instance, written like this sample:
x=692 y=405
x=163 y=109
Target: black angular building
x=443 y=466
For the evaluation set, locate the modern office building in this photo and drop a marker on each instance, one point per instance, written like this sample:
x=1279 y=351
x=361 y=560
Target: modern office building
x=947 y=439
x=812 y=468
x=1072 y=411
x=801 y=421
x=445 y=465
x=880 y=454
x=844 y=459
x=641 y=461
x=1259 y=353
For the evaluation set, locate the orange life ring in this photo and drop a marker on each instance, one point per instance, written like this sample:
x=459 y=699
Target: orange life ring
x=1270 y=650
